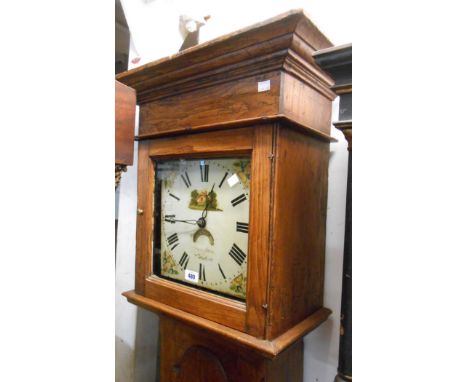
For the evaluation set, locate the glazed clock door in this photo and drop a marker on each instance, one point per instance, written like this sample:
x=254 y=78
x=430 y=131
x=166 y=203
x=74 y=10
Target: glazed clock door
x=201 y=223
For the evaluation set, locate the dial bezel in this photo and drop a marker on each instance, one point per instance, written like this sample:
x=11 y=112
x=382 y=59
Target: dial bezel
x=157 y=228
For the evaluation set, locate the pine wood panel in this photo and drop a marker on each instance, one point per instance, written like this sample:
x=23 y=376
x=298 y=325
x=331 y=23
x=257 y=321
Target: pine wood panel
x=212 y=307
x=259 y=237
x=288 y=366
x=298 y=230
x=213 y=143
x=125 y=105
x=144 y=232
x=220 y=360
x=177 y=339
x=304 y=104
x=189 y=369
x=221 y=103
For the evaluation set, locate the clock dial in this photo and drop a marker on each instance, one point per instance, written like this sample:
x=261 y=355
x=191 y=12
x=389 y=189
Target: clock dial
x=202 y=223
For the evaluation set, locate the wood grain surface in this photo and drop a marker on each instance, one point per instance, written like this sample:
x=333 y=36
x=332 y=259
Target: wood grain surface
x=298 y=230
x=216 y=85
x=125 y=106
x=197 y=355
x=222 y=103
x=265 y=348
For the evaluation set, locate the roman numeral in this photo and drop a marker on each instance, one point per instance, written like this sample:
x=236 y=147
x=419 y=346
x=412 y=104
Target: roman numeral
x=224 y=178
x=237 y=254
x=169 y=218
x=222 y=273
x=242 y=227
x=204 y=169
x=173 y=239
x=201 y=272
x=184 y=261
x=186 y=179
x=175 y=197
x=241 y=198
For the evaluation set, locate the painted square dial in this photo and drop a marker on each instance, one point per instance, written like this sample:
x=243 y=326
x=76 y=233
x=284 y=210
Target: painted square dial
x=202 y=223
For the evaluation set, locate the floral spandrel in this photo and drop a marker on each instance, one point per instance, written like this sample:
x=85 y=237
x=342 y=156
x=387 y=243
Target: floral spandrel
x=169 y=265
x=239 y=285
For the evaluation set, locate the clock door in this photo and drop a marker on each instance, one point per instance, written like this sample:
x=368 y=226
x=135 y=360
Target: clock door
x=204 y=213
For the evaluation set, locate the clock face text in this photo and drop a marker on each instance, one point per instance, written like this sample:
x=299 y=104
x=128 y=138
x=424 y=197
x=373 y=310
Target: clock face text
x=202 y=223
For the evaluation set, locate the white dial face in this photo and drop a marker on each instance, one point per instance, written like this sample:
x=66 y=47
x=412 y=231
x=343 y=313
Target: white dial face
x=203 y=223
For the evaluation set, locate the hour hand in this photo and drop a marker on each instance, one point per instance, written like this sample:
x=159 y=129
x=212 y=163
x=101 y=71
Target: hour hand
x=172 y=220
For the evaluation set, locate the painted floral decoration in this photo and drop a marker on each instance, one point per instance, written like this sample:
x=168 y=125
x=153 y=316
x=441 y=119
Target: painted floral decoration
x=169 y=265
x=239 y=285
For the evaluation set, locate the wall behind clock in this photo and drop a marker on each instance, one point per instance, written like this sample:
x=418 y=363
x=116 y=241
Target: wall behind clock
x=155 y=33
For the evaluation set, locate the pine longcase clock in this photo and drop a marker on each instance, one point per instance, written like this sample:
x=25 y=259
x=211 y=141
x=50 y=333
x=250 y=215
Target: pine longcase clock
x=232 y=187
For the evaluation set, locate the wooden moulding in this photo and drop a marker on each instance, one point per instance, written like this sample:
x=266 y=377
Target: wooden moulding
x=281 y=118
x=269 y=349
x=215 y=85
x=347 y=128
x=201 y=61
x=343 y=89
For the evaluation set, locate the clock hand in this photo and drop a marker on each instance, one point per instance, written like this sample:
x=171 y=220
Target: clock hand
x=205 y=211
x=172 y=220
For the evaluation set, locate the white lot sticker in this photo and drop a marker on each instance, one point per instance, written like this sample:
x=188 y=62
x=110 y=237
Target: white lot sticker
x=233 y=180
x=264 y=86
x=191 y=276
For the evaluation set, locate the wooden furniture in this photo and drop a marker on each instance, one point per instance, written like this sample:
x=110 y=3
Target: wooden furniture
x=256 y=94
x=125 y=105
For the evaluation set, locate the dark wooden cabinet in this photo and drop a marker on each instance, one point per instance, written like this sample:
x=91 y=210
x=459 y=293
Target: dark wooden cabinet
x=257 y=93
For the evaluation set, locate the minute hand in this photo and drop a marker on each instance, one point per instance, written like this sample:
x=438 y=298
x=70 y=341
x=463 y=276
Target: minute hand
x=205 y=211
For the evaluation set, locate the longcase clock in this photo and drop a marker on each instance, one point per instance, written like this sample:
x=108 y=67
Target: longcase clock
x=232 y=200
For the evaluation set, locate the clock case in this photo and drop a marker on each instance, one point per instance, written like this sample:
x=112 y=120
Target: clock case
x=206 y=102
